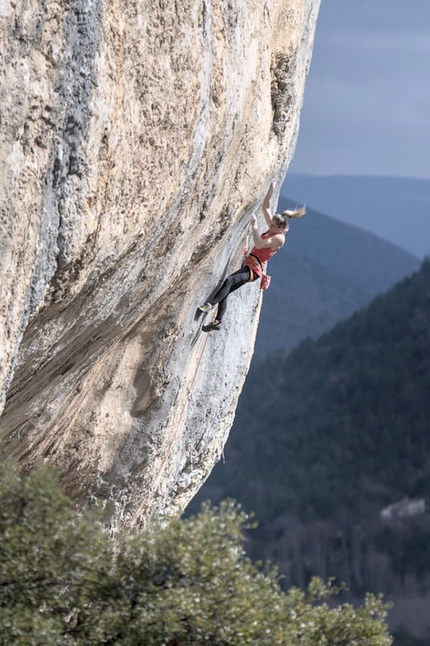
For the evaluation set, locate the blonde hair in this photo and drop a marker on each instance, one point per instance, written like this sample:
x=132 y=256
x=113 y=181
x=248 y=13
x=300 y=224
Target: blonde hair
x=281 y=219
x=297 y=213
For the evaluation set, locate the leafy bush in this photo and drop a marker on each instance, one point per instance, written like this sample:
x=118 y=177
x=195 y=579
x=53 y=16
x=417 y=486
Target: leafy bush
x=64 y=580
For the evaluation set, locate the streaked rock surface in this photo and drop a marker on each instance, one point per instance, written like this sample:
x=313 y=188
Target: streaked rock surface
x=137 y=138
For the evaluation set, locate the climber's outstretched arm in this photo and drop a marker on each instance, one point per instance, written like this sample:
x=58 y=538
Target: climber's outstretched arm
x=267 y=212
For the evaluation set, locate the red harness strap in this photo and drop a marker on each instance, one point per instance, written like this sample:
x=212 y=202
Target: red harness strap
x=254 y=264
x=257 y=271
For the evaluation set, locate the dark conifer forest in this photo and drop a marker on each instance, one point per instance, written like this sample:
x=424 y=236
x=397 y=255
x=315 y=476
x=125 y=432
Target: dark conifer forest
x=329 y=436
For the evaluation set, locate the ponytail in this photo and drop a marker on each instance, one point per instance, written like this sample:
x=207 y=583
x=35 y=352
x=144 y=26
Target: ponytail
x=297 y=213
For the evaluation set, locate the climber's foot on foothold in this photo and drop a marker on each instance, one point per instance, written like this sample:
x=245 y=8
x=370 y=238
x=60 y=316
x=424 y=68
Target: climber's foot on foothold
x=206 y=307
x=215 y=325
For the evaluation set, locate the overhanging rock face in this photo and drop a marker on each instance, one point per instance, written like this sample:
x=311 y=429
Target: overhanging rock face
x=137 y=138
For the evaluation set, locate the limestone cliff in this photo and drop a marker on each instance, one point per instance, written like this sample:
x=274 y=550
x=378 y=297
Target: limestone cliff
x=137 y=138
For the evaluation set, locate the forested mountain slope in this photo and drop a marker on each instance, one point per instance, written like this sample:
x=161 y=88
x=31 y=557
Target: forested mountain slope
x=326 y=271
x=350 y=408
x=327 y=437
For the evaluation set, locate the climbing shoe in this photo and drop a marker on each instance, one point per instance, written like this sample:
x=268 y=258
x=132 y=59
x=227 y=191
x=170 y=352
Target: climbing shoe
x=215 y=325
x=206 y=307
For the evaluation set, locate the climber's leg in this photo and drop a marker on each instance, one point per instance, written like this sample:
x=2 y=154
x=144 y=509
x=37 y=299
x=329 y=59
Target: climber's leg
x=231 y=283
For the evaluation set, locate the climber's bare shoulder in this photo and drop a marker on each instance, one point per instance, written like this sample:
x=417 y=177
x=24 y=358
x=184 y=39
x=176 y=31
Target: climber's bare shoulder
x=275 y=241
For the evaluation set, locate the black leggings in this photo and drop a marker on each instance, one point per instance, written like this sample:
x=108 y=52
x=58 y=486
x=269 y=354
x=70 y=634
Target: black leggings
x=231 y=283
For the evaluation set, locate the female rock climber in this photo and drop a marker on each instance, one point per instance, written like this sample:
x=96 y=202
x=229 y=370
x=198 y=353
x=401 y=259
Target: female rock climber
x=254 y=265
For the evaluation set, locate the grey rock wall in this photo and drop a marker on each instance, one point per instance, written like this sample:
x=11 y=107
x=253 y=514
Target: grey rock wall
x=137 y=137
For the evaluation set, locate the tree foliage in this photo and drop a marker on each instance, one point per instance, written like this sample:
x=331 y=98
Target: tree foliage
x=64 y=580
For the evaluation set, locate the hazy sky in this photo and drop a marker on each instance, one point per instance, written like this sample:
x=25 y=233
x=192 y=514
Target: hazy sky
x=367 y=100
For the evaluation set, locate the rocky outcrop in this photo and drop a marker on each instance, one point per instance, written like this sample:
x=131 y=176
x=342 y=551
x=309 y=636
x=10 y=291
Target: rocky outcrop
x=137 y=138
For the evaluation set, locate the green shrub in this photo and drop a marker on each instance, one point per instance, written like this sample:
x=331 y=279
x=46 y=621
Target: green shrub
x=63 y=580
